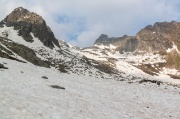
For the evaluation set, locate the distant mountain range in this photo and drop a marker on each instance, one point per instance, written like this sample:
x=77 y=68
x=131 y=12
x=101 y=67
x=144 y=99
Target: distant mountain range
x=152 y=39
x=158 y=37
x=152 y=54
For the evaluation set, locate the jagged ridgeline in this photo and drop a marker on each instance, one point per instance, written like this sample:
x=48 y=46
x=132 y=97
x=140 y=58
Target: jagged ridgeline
x=159 y=37
x=27 y=22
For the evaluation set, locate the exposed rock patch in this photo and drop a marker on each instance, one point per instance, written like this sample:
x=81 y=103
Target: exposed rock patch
x=151 y=81
x=173 y=60
x=21 y=50
x=44 y=77
x=57 y=87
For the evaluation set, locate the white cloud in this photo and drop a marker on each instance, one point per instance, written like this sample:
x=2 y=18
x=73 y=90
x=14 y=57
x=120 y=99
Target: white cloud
x=87 y=19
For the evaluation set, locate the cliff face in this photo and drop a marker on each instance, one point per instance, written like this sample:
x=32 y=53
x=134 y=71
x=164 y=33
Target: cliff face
x=28 y=22
x=158 y=37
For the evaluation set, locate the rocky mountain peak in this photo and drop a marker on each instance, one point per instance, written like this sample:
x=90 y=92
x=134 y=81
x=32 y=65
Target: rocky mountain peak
x=27 y=22
x=102 y=38
x=20 y=14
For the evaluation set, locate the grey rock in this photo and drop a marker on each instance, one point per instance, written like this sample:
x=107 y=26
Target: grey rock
x=1 y=65
x=57 y=87
x=44 y=77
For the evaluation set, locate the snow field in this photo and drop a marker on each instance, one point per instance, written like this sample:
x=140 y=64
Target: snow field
x=27 y=95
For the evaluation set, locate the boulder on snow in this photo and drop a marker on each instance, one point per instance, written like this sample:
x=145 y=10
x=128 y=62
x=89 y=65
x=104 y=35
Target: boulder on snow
x=44 y=77
x=57 y=87
x=2 y=66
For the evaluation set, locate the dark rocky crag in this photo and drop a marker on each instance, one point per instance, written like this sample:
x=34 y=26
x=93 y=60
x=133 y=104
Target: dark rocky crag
x=28 y=22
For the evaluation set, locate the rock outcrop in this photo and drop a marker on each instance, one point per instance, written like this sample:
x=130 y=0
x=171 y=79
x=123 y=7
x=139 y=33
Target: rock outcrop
x=27 y=22
x=8 y=48
x=160 y=36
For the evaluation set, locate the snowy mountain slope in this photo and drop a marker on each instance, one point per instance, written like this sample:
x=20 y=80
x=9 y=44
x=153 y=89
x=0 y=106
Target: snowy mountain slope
x=17 y=31
x=56 y=57
x=133 y=66
x=98 y=61
x=154 y=49
x=25 y=94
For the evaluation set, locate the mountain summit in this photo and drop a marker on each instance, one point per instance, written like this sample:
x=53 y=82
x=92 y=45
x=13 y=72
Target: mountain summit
x=29 y=22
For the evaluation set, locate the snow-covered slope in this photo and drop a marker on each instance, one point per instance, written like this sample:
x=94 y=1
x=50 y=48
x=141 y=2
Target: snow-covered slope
x=25 y=94
x=133 y=65
x=97 y=60
x=74 y=62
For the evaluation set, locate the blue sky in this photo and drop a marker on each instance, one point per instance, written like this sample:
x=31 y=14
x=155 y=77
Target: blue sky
x=81 y=22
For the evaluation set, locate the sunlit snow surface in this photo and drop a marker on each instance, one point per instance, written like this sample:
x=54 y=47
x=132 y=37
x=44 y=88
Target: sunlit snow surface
x=25 y=95
x=124 y=63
